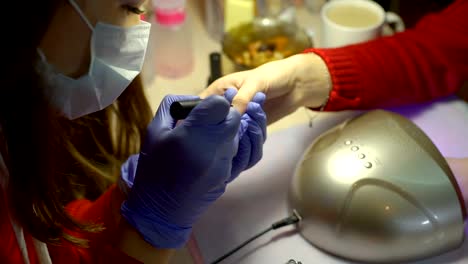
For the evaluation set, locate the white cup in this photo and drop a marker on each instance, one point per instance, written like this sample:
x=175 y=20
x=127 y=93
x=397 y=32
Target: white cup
x=347 y=22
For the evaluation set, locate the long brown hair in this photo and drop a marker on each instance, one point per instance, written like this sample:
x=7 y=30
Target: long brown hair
x=52 y=160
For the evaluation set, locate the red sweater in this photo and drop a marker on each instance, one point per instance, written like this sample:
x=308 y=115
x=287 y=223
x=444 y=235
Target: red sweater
x=101 y=248
x=420 y=64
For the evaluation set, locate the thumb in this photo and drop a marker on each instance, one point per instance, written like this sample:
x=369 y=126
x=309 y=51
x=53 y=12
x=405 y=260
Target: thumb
x=210 y=111
x=259 y=98
x=163 y=120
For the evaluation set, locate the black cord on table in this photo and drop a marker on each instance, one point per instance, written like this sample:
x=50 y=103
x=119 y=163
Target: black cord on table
x=292 y=219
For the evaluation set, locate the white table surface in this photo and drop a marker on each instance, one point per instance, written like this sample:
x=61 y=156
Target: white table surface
x=258 y=197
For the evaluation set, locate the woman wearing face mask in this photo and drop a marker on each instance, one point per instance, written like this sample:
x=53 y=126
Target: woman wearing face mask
x=73 y=119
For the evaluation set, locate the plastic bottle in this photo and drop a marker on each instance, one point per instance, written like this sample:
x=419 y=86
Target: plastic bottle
x=172 y=50
x=314 y=6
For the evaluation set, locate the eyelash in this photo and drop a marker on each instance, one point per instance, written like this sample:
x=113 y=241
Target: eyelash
x=134 y=10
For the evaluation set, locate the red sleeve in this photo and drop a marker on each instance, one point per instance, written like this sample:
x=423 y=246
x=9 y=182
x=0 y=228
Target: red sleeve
x=423 y=63
x=101 y=246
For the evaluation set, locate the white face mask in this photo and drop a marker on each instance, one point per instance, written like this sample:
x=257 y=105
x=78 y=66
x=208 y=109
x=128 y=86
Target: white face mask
x=117 y=56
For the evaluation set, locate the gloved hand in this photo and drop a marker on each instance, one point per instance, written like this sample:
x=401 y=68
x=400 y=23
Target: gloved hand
x=181 y=170
x=251 y=134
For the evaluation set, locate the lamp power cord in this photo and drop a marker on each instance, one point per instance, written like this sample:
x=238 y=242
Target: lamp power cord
x=290 y=220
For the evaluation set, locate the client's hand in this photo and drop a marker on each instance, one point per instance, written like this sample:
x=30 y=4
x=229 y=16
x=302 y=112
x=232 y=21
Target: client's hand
x=300 y=80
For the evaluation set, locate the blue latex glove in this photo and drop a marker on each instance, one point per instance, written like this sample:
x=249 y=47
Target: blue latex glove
x=251 y=134
x=181 y=170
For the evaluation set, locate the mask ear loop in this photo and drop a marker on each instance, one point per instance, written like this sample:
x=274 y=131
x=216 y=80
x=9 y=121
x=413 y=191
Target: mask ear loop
x=80 y=12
